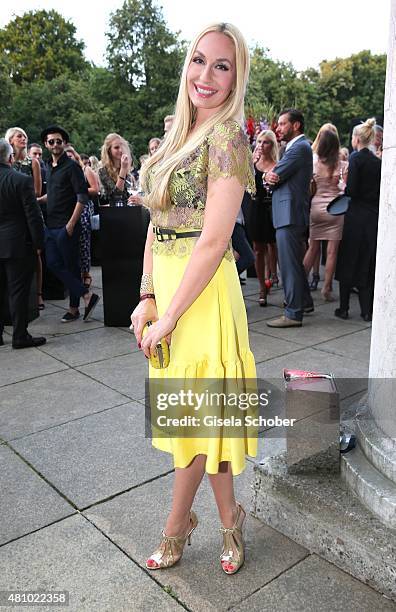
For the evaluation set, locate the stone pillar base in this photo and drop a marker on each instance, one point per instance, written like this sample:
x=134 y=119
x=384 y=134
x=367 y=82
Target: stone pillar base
x=318 y=512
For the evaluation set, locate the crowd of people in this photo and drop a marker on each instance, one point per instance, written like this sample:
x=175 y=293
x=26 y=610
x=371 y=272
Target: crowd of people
x=299 y=233
x=68 y=190
x=287 y=243
x=284 y=240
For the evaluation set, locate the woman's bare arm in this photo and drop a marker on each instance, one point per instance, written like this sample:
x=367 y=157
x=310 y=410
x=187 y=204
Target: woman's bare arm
x=93 y=181
x=146 y=310
x=36 y=170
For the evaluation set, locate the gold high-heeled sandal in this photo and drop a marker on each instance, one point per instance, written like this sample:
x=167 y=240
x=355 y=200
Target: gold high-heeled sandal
x=233 y=554
x=171 y=548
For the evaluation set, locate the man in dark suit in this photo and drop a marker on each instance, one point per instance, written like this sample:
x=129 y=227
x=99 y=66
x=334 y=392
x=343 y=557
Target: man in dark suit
x=21 y=235
x=291 y=179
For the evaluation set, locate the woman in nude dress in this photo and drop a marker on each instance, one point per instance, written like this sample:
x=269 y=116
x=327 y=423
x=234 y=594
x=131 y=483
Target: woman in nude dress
x=330 y=175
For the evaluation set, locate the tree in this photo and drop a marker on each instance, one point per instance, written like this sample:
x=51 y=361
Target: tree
x=340 y=90
x=145 y=58
x=66 y=101
x=41 y=45
x=353 y=87
x=272 y=83
x=6 y=94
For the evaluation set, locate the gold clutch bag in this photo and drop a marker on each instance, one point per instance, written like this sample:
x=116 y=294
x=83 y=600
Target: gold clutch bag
x=159 y=359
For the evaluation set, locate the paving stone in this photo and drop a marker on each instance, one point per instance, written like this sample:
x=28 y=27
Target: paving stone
x=251 y=287
x=355 y=346
x=44 y=402
x=23 y=364
x=350 y=406
x=94 y=345
x=74 y=556
x=95 y=457
x=134 y=521
x=96 y=273
x=27 y=502
x=266 y=347
x=126 y=374
x=314 y=585
x=316 y=328
x=49 y=323
x=255 y=312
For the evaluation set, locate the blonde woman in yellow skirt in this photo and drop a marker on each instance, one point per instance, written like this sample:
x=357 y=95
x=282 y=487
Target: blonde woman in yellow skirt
x=194 y=186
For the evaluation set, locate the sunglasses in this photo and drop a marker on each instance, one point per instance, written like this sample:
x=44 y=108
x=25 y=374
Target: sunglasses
x=53 y=141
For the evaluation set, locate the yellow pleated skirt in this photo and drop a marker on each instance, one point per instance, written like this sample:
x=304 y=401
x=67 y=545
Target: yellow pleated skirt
x=210 y=341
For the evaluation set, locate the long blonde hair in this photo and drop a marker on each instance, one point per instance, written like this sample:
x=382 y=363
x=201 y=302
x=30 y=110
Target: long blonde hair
x=326 y=126
x=365 y=132
x=106 y=160
x=177 y=144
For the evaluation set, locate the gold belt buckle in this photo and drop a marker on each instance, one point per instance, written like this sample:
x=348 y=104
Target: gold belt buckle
x=158 y=234
x=165 y=234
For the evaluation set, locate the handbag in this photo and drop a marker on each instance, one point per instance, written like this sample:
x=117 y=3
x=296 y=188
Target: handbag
x=159 y=359
x=339 y=205
x=95 y=222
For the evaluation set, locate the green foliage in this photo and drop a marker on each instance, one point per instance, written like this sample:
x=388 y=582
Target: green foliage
x=353 y=87
x=40 y=45
x=340 y=90
x=145 y=58
x=66 y=101
x=6 y=91
x=271 y=82
x=44 y=78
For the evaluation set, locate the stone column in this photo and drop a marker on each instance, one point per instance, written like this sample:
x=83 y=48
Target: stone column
x=382 y=389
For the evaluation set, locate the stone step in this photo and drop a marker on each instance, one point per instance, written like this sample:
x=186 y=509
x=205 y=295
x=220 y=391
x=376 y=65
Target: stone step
x=379 y=449
x=376 y=491
x=321 y=514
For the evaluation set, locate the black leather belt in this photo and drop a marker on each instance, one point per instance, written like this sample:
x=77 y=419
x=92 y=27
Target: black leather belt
x=162 y=234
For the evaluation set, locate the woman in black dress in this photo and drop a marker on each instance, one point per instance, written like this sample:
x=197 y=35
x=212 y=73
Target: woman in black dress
x=260 y=228
x=356 y=259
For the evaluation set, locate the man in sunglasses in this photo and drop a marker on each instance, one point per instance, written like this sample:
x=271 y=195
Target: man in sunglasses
x=67 y=194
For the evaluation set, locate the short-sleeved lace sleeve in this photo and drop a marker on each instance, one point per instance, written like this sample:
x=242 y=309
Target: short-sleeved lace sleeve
x=230 y=155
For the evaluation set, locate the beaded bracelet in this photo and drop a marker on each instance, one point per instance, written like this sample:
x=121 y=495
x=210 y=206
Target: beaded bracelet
x=147 y=286
x=147 y=296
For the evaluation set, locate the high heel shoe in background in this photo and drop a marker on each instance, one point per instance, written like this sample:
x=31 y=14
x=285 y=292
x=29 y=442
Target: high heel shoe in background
x=233 y=554
x=313 y=285
x=171 y=548
x=275 y=279
x=263 y=298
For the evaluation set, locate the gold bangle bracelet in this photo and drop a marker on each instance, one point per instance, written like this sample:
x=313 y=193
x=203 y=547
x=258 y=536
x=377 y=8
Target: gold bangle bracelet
x=146 y=285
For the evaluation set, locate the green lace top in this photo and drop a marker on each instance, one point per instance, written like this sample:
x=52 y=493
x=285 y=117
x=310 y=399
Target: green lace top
x=224 y=153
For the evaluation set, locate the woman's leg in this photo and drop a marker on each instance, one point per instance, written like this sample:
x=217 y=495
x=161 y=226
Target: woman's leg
x=185 y=486
x=311 y=255
x=222 y=485
x=259 y=263
x=273 y=260
x=331 y=260
x=316 y=264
